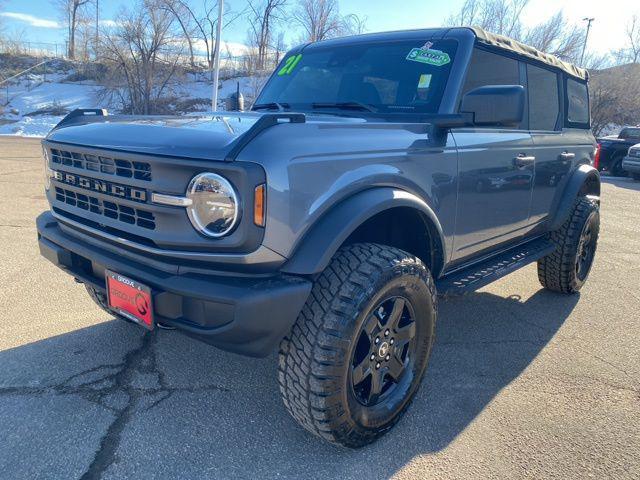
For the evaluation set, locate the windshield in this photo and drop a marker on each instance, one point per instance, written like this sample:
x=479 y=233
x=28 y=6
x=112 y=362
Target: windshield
x=397 y=77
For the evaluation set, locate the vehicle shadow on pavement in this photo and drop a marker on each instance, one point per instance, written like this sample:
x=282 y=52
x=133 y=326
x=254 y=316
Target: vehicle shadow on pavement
x=111 y=401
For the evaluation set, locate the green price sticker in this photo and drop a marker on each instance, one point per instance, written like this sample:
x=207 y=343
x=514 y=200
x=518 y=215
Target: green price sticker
x=428 y=56
x=289 y=64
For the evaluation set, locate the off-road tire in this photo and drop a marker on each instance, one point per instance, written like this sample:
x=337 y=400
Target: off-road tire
x=557 y=271
x=636 y=176
x=616 y=168
x=315 y=358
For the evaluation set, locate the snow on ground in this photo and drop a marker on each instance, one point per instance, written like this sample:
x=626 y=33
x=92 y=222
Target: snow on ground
x=16 y=119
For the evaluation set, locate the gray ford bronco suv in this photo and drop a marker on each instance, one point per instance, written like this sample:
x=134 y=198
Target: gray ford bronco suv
x=373 y=174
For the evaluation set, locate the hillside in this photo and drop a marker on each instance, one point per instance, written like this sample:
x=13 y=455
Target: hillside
x=33 y=104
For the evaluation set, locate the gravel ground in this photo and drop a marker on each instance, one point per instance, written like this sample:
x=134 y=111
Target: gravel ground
x=522 y=383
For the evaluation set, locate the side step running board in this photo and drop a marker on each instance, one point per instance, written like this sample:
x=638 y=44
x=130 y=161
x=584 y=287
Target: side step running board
x=477 y=276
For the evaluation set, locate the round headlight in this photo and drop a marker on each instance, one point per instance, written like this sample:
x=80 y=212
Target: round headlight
x=47 y=170
x=214 y=205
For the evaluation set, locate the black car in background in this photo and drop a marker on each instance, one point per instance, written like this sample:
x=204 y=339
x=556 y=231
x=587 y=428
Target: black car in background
x=614 y=148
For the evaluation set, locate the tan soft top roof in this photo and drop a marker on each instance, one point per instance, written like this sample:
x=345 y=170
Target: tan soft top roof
x=507 y=43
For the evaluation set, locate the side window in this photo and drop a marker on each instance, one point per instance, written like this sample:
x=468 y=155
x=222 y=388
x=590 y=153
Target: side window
x=577 y=103
x=487 y=68
x=544 y=101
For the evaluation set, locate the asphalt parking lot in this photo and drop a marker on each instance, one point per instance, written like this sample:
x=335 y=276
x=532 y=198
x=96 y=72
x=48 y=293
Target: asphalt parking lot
x=522 y=383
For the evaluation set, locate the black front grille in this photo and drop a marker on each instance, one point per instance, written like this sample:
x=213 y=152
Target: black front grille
x=132 y=216
x=100 y=163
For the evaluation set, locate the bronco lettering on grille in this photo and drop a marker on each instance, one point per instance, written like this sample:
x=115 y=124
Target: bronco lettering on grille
x=101 y=186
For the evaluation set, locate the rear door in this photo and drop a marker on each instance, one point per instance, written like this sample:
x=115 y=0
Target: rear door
x=495 y=169
x=554 y=148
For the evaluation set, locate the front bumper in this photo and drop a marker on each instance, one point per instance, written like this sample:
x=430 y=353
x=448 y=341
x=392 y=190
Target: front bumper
x=631 y=164
x=244 y=314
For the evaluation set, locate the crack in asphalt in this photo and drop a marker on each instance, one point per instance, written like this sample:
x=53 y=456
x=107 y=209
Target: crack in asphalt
x=111 y=380
x=15 y=226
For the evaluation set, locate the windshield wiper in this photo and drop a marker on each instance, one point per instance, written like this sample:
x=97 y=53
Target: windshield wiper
x=281 y=107
x=346 y=106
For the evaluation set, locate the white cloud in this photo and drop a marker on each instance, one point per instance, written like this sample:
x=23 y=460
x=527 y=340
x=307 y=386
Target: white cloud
x=109 y=23
x=31 y=20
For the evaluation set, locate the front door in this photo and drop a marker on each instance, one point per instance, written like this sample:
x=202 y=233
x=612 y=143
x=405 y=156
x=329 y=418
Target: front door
x=495 y=176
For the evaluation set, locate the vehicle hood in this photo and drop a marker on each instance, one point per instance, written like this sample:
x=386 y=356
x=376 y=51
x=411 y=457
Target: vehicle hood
x=209 y=137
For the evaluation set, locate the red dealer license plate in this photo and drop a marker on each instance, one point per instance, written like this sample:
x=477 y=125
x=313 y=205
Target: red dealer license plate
x=130 y=299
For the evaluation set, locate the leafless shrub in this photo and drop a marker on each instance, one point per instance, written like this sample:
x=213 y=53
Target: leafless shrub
x=256 y=83
x=141 y=57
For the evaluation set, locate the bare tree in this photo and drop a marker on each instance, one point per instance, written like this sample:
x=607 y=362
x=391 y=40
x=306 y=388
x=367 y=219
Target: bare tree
x=497 y=16
x=612 y=104
x=319 y=19
x=142 y=57
x=263 y=15
x=72 y=12
x=554 y=36
x=199 y=26
x=631 y=52
x=352 y=24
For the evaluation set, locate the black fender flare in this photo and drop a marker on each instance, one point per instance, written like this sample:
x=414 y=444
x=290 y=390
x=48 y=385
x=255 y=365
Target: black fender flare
x=318 y=245
x=585 y=180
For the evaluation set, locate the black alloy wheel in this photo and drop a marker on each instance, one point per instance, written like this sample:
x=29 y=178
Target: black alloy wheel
x=384 y=354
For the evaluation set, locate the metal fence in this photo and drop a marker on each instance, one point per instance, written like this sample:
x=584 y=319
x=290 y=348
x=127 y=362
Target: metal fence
x=33 y=49
x=246 y=62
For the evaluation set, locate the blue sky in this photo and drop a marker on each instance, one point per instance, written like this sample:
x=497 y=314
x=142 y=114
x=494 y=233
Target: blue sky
x=607 y=33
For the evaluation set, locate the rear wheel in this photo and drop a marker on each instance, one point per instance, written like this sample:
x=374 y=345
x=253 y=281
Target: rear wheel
x=356 y=355
x=616 y=168
x=567 y=268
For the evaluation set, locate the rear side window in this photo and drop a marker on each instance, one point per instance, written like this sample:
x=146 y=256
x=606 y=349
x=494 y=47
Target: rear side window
x=577 y=103
x=544 y=101
x=630 y=133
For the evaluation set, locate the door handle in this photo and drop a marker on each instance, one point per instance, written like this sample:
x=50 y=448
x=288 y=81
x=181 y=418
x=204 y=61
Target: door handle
x=567 y=156
x=523 y=160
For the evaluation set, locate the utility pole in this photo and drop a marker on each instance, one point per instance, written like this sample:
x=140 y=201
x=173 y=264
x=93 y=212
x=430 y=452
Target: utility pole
x=216 y=67
x=586 y=37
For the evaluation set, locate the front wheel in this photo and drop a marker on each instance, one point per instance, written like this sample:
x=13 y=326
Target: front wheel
x=356 y=355
x=567 y=268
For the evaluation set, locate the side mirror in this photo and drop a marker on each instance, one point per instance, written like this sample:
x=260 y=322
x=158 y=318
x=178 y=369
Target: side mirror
x=495 y=105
